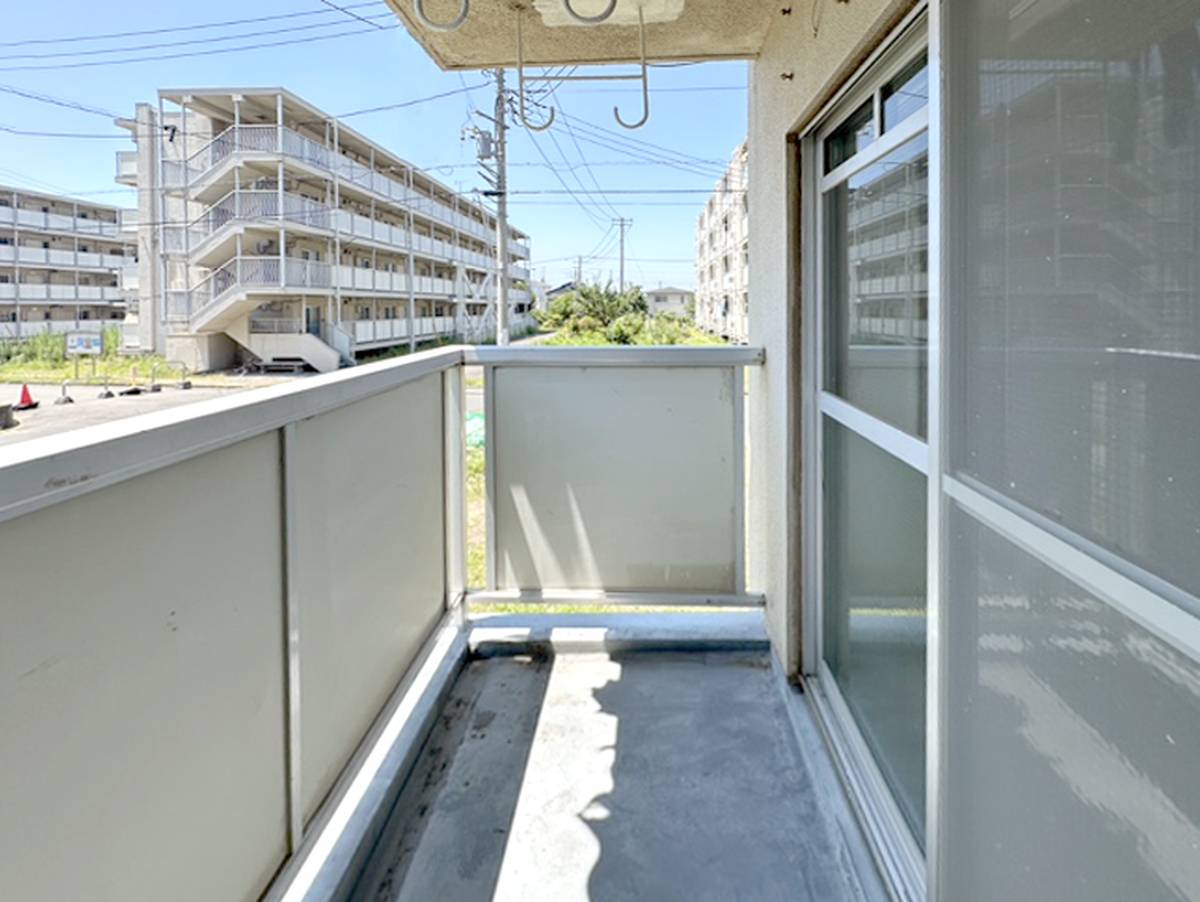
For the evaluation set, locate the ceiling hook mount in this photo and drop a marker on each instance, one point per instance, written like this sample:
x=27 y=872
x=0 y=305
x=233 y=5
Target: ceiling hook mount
x=521 y=81
x=453 y=25
x=645 y=80
x=602 y=16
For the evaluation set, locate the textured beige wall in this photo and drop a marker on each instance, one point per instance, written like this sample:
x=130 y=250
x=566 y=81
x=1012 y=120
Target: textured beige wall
x=142 y=687
x=369 y=482
x=778 y=108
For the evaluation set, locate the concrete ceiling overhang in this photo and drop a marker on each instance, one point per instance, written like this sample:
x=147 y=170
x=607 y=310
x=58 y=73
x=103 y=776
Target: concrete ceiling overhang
x=675 y=30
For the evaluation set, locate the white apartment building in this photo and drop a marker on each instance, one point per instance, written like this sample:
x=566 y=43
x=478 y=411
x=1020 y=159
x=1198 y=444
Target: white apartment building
x=273 y=233
x=675 y=301
x=723 y=255
x=65 y=264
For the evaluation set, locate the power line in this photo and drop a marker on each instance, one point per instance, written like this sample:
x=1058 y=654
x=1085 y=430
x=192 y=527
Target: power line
x=691 y=89
x=658 y=148
x=74 y=54
x=167 y=30
x=612 y=141
x=465 y=89
x=57 y=101
x=640 y=156
x=194 y=53
x=558 y=176
x=125 y=135
x=352 y=15
x=704 y=191
x=583 y=159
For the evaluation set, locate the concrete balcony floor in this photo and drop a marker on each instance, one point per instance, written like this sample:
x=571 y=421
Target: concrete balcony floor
x=640 y=770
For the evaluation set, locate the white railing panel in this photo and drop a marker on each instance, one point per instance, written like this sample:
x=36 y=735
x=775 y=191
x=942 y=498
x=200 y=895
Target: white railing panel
x=616 y=478
x=111 y=706
x=372 y=563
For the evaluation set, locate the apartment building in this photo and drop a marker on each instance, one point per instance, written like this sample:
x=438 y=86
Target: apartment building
x=65 y=264
x=275 y=234
x=723 y=254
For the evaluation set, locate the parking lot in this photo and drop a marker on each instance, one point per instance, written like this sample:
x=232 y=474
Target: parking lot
x=89 y=409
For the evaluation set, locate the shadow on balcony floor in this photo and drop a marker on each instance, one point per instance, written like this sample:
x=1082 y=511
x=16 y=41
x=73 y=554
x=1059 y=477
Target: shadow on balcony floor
x=631 y=775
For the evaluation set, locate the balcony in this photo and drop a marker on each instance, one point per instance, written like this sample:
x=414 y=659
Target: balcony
x=211 y=237
x=321 y=713
x=127 y=165
x=28 y=292
x=65 y=223
x=241 y=284
x=59 y=258
x=30 y=328
x=203 y=175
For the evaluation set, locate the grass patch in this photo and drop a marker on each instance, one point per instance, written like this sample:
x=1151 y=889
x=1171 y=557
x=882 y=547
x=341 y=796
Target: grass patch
x=43 y=358
x=476 y=517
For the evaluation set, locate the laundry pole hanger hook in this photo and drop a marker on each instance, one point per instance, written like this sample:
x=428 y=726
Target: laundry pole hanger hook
x=521 y=81
x=603 y=16
x=645 y=80
x=453 y=25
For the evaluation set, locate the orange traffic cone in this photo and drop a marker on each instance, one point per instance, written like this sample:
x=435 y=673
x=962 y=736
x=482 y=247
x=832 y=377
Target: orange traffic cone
x=26 y=402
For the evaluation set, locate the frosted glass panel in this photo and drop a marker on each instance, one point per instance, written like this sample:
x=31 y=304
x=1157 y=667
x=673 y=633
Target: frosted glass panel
x=874 y=613
x=876 y=301
x=1076 y=301
x=1074 y=739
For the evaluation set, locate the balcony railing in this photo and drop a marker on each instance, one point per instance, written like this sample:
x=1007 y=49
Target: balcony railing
x=30 y=328
x=262 y=207
x=127 y=166
x=36 y=220
x=39 y=292
x=59 y=258
x=262 y=274
x=269 y=139
x=251 y=703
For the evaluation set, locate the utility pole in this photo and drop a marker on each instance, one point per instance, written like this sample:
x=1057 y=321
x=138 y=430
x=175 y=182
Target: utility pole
x=622 y=224
x=495 y=147
x=501 y=213
x=578 y=271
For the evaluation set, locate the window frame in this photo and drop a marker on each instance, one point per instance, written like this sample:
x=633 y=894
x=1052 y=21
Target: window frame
x=906 y=868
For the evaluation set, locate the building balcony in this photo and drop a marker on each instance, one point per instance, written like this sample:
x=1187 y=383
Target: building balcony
x=30 y=328
x=127 y=167
x=211 y=237
x=58 y=223
x=328 y=714
x=31 y=292
x=59 y=258
x=243 y=283
x=207 y=174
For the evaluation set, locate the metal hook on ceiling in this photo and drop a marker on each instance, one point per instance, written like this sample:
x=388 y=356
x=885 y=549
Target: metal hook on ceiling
x=590 y=20
x=453 y=25
x=521 y=81
x=645 y=80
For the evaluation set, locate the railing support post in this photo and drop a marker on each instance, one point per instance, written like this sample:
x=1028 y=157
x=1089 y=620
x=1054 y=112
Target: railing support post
x=291 y=600
x=453 y=448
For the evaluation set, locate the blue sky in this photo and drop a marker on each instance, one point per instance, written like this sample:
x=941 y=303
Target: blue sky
x=697 y=111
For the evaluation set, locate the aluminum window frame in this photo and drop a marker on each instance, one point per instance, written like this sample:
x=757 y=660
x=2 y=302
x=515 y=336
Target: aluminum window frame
x=904 y=867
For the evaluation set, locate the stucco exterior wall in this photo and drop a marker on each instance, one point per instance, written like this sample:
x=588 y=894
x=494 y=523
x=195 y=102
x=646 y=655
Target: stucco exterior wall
x=789 y=82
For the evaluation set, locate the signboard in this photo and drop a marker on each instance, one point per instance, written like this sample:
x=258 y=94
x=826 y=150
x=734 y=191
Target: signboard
x=84 y=344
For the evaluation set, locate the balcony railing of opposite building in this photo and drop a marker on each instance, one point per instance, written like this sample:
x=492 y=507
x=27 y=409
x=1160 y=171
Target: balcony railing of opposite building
x=261 y=207
x=36 y=220
x=269 y=139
